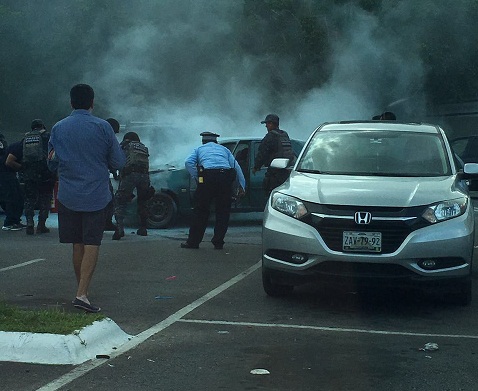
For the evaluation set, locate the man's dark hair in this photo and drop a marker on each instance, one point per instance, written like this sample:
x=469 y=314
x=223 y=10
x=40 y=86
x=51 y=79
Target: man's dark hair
x=114 y=124
x=81 y=96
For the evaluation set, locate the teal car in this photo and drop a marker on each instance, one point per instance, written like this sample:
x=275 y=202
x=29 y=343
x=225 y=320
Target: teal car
x=175 y=188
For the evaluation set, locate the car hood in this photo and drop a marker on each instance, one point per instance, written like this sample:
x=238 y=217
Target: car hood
x=371 y=191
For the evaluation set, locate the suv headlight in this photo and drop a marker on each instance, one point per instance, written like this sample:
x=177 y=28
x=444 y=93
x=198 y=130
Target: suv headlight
x=288 y=205
x=445 y=210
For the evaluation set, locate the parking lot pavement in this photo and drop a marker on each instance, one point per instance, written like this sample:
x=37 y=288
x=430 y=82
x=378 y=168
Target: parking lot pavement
x=204 y=322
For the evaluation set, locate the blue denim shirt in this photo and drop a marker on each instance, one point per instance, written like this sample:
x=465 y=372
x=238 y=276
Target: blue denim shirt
x=83 y=148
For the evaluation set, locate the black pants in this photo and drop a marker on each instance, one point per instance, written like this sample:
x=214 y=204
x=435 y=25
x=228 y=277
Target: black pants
x=217 y=187
x=274 y=177
x=11 y=196
x=38 y=193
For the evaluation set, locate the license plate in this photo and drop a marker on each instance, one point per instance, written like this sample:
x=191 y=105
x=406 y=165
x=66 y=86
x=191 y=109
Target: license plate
x=362 y=241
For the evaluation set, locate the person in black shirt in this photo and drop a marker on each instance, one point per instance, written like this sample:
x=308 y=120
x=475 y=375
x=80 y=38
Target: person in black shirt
x=11 y=194
x=275 y=144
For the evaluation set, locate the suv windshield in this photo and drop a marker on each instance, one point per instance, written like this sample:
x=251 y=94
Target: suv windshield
x=375 y=152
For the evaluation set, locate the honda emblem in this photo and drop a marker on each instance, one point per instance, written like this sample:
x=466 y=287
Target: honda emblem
x=363 y=217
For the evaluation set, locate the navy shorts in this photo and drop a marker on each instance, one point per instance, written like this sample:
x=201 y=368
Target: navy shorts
x=80 y=227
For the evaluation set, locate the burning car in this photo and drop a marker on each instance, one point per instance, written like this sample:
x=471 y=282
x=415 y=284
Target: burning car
x=175 y=188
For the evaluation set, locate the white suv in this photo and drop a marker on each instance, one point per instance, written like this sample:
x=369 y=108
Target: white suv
x=373 y=202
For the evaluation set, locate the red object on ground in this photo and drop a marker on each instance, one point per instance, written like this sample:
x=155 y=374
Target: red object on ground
x=54 y=200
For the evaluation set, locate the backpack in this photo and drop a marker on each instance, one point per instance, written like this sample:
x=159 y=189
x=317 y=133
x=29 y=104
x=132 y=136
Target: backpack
x=35 y=147
x=137 y=157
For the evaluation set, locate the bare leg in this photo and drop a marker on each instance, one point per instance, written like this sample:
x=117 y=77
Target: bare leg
x=86 y=268
x=78 y=251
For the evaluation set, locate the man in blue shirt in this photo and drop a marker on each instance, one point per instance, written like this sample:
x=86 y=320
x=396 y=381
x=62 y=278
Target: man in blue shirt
x=83 y=148
x=214 y=168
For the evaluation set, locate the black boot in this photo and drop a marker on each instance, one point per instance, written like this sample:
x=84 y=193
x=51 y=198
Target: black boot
x=142 y=231
x=41 y=229
x=119 y=231
x=30 y=230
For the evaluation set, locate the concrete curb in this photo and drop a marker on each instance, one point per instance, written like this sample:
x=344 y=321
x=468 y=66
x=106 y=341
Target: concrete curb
x=100 y=338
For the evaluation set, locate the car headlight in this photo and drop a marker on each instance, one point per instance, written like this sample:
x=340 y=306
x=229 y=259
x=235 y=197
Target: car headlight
x=288 y=205
x=445 y=210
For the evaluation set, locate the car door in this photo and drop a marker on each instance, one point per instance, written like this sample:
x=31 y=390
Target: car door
x=257 y=195
x=242 y=155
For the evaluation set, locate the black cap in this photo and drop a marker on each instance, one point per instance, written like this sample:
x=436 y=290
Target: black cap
x=131 y=136
x=388 y=116
x=271 y=118
x=209 y=136
x=37 y=123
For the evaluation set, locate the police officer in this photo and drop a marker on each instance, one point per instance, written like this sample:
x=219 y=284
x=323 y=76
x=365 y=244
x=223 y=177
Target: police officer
x=135 y=174
x=214 y=168
x=31 y=157
x=275 y=144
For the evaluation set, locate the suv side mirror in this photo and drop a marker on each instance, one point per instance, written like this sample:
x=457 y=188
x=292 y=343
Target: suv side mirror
x=282 y=163
x=470 y=170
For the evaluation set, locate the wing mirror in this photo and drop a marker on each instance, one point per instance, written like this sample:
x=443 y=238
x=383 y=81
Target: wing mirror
x=282 y=163
x=470 y=170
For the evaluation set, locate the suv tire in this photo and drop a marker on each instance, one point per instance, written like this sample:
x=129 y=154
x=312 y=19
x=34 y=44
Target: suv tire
x=162 y=211
x=273 y=289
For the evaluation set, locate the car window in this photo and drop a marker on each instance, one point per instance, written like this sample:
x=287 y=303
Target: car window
x=466 y=148
x=297 y=146
x=230 y=145
x=367 y=152
x=241 y=154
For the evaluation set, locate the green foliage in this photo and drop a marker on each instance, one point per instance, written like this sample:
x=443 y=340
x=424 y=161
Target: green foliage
x=53 y=321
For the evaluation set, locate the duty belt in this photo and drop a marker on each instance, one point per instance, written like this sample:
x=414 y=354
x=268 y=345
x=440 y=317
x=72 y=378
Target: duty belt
x=218 y=170
x=131 y=169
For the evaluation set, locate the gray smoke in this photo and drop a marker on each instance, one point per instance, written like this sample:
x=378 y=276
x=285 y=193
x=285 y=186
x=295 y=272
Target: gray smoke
x=181 y=66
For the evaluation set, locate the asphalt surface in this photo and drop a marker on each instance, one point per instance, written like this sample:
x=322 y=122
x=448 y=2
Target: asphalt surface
x=201 y=321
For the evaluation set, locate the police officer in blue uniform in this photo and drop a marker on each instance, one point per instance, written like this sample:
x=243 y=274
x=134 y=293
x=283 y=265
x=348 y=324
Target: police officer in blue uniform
x=214 y=168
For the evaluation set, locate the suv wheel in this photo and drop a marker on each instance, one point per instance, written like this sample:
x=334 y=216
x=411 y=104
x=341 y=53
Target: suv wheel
x=273 y=289
x=461 y=293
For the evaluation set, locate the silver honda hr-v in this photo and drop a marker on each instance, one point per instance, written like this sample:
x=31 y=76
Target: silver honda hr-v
x=372 y=202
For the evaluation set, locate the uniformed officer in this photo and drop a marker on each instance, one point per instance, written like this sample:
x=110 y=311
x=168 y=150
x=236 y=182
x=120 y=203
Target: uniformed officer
x=135 y=174
x=214 y=168
x=275 y=144
x=30 y=157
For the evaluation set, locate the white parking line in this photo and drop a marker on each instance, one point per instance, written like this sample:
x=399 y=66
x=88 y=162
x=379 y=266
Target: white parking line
x=143 y=336
x=322 y=328
x=22 y=264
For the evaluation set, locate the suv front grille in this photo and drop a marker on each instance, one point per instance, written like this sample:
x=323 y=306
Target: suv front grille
x=395 y=224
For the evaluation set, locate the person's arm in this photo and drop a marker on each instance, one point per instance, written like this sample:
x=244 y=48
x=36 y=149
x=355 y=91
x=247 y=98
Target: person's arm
x=12 y=162
x=191 y=164
x=240 y=175
x=116 y=156
x=262 y=154
x=52 y=159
